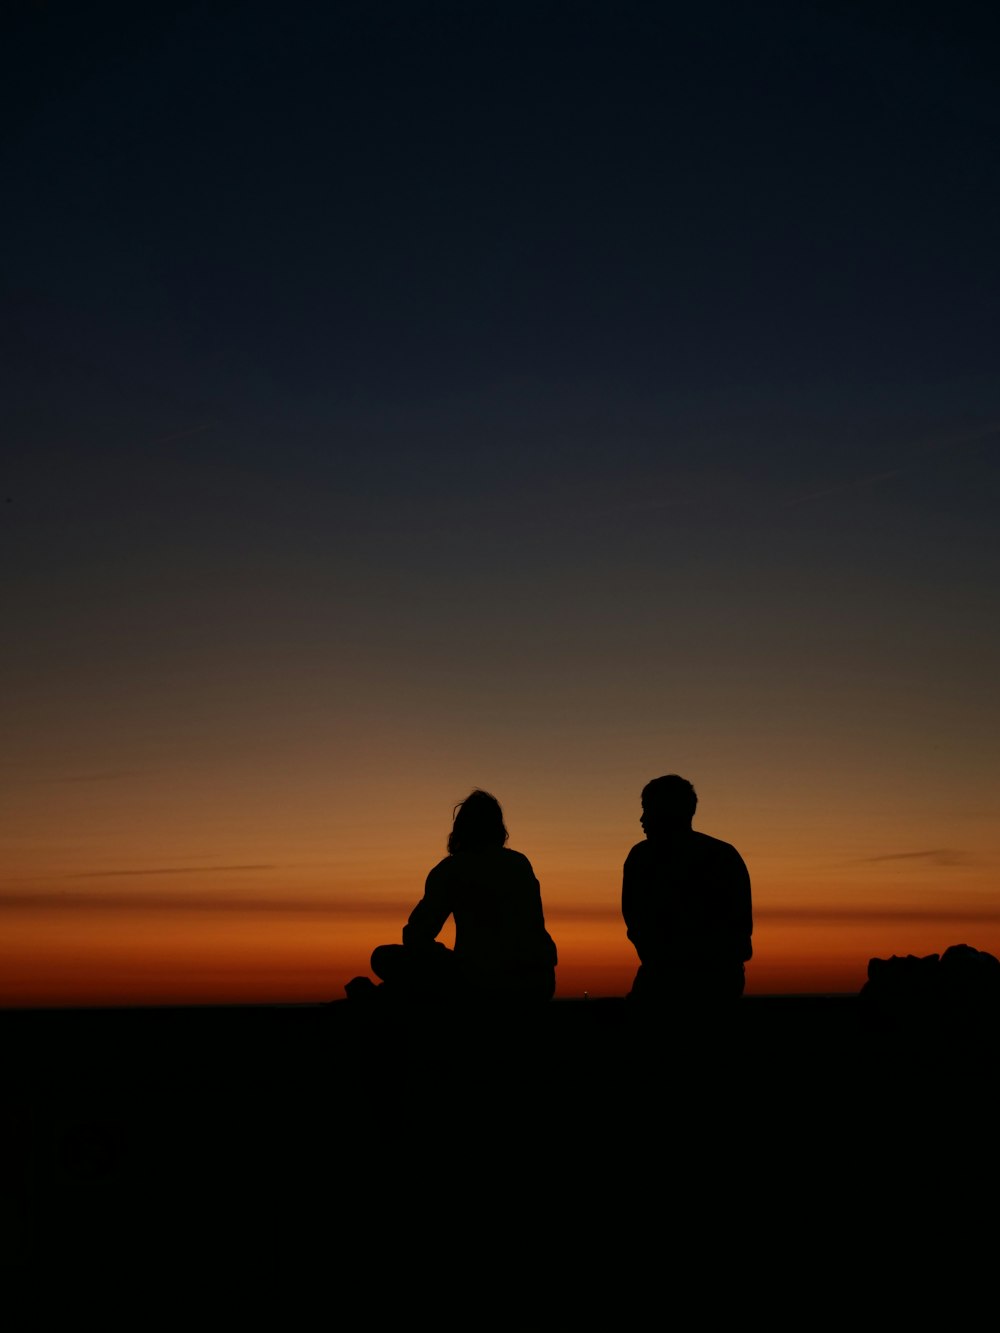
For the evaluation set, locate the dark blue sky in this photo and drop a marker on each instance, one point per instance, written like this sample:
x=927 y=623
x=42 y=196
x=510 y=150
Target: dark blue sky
x=283 y=269
x=260 y=211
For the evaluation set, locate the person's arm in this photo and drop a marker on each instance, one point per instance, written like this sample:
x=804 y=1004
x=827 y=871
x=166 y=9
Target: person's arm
x=431 y=912
x=633 y=902
x=538 y=931
x=741 y=906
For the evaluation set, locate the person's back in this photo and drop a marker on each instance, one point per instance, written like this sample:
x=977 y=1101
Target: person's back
x=502 y=949
x=686 y=902
x=501 y=943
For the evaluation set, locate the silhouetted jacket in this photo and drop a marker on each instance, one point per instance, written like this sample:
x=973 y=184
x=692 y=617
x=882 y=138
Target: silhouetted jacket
x=686 y=902
x=500 y=934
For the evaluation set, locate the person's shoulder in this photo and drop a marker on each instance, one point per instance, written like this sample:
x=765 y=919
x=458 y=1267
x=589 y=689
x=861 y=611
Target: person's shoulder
x=715 y=846
x=640 y=852
x=444 y=868
x=516 y=860
x=706 y=840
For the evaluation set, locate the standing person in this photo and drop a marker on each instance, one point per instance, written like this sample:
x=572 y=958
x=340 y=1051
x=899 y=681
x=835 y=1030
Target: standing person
x=687 y=906
x=502 y=948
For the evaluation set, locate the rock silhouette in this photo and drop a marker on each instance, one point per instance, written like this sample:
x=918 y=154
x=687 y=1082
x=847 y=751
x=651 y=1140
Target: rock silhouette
x=954 y=993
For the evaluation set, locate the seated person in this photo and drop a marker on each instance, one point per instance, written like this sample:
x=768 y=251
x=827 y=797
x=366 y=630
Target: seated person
x=502 y=949
x=687 y=906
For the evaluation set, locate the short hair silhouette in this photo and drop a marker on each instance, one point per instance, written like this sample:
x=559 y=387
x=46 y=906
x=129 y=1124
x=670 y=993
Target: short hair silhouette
x=668 y=802
x=688 y=908
x=477 y=824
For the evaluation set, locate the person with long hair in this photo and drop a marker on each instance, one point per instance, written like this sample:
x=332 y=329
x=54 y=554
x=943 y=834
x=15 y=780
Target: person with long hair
x=502 y=949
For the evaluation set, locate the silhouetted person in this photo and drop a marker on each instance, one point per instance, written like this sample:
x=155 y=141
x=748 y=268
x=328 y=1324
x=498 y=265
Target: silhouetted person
x=502 y=950
x=687 y=907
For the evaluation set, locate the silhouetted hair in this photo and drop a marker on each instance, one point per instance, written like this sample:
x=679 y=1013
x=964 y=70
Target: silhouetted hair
x=669 y=800
x=477 y=824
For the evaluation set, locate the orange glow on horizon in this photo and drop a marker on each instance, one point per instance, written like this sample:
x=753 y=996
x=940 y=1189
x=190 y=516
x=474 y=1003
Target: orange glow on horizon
x=105 y=957
x=283 y=900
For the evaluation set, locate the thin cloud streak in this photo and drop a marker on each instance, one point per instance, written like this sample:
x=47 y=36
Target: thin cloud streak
x=839 y=488
x=166 y=870
x=939 y=856
x=181 y=434
x=902 y=915
x=398 y=909
x=830 y=913
x=131 y=903
x=584 y=912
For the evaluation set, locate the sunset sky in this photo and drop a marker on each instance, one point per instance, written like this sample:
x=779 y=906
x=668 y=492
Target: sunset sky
x=401 y=398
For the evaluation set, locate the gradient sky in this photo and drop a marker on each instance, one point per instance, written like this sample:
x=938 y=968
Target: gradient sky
x=403 y=398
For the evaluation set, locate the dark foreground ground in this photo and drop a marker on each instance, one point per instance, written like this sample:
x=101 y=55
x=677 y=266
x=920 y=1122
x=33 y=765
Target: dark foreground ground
x=393 y=1154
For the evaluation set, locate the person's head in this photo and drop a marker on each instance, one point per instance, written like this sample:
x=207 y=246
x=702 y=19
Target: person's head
x=668 y=805
x=477 y=824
